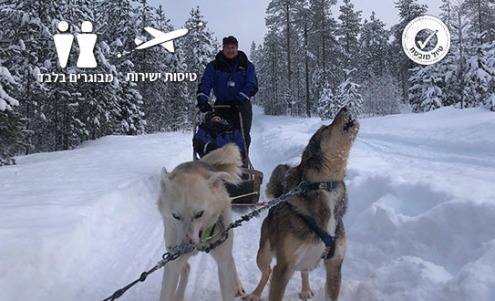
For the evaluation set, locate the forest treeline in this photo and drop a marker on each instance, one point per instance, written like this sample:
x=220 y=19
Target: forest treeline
x=309 y=64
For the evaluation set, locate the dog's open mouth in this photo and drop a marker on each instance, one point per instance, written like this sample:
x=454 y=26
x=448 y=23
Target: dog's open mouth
x=351 y=123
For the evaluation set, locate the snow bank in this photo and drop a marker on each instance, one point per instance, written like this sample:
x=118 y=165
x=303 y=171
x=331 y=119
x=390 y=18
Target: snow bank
x=78 y=225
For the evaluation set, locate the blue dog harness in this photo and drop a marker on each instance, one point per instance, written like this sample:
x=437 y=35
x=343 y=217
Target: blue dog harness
x=327 y=239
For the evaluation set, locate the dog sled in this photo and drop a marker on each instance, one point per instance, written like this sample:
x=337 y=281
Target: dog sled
x=247 y=193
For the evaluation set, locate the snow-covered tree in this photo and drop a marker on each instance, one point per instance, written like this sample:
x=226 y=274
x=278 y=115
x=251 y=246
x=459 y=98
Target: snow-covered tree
x=348 y=94
x=10 y=125
x=479 y=78
x=381 y=96
x=270 y=71
x=327 y=107
x=7 y=83
x=408 y=10
x=201 y=49
x=426 y=93
x=349 y=29
x=482 y=19
x=120 y=31
x=374 y=50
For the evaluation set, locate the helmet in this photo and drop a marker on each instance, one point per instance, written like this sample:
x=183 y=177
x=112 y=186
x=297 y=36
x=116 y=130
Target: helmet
x=210 y=115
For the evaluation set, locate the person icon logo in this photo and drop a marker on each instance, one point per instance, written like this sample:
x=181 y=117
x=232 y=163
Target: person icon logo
x=63 y=43
x=86 y=41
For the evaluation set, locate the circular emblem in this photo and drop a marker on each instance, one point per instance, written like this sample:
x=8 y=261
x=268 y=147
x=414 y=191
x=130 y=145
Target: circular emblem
x=426 y=40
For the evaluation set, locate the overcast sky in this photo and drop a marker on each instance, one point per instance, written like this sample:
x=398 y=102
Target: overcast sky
x=245 y=19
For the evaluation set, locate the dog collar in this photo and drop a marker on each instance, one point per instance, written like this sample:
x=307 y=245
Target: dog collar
x=328 y=186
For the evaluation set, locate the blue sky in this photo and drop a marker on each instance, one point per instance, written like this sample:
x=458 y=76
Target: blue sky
x=245 y=19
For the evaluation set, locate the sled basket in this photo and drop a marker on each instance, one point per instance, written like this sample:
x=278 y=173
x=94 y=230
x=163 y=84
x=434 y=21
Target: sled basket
x=247 y=192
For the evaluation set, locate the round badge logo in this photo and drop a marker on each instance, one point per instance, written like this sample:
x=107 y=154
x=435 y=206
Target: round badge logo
x=426 y=40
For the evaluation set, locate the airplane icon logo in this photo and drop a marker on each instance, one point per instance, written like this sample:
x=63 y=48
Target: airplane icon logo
x=166 y=40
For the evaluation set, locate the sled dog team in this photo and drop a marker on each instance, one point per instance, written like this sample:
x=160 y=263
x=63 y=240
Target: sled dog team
x=300 y=232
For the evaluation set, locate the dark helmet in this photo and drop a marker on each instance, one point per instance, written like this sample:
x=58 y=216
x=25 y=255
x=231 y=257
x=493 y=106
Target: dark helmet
x=210 y=115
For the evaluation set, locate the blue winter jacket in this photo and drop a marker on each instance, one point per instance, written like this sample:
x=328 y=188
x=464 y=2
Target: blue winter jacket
x=213 y=135
x=231 y=81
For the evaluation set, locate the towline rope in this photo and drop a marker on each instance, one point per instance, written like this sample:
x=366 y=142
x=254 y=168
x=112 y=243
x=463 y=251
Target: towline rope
x=177 y=251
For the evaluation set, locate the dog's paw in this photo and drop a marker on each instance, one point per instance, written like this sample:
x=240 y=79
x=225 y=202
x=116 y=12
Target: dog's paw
x=251 y=297
x=239 y=290
x=306 y=295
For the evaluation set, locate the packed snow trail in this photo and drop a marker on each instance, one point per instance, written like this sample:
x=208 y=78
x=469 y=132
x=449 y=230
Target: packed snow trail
x=80 y=224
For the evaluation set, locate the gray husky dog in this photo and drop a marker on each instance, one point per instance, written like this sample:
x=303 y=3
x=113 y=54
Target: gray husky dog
x=308 y=225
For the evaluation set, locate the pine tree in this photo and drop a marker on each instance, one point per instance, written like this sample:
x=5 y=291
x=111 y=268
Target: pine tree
x=177 y=97
x=280 y=18
x=447 y=14
x=119 y=32
x=328 y=56
x=479 y=78
x=348 y=94
x=454 y=63
x=10 y=124
x=202 y=48
x=151 y=61
x=482 y=16
x=270 y=72
x=30 y=47
x=408 y=10
x=374 y=50
x=305 y=56
x=381 y=96
x=426 y=93
x=327 y=107
x=490 y=59
x=348 y=31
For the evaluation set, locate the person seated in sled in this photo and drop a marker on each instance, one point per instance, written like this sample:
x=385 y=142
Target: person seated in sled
x=214 y=133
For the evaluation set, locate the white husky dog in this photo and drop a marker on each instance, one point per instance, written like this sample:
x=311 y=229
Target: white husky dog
x=193 y=200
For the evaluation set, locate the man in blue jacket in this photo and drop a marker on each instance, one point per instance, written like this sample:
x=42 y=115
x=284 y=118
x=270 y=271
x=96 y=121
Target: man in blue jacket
x=233 y=80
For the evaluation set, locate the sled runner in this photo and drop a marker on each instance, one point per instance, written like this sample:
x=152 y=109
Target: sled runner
x=248 y=191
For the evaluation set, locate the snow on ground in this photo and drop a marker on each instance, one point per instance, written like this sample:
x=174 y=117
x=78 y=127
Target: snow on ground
x=79 y=224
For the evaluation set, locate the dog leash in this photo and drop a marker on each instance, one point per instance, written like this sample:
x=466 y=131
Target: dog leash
x=177 y=251
x=167 y=257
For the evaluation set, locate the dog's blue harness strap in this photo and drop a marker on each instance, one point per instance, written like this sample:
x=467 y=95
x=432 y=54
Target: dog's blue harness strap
x=327 y=239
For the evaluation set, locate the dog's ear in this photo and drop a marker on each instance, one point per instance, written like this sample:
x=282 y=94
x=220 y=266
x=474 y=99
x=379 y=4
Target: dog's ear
x=165 y=178
x=164 y=173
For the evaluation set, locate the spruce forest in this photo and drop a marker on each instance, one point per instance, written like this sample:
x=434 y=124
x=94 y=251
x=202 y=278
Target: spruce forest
x=312 y=62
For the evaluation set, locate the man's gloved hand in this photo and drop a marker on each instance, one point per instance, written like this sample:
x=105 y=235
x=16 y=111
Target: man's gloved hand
x=205 y=107
x=238 y=101
x=236 y=104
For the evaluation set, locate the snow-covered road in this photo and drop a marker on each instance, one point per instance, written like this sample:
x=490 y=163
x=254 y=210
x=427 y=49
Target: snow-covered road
x=77 y=225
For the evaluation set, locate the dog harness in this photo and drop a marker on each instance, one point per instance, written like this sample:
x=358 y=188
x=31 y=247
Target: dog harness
x=207 y=234
x=327 y=239
x=328 y=186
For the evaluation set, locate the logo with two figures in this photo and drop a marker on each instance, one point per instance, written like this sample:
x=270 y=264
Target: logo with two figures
x=87 y=41
x=426 y=40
